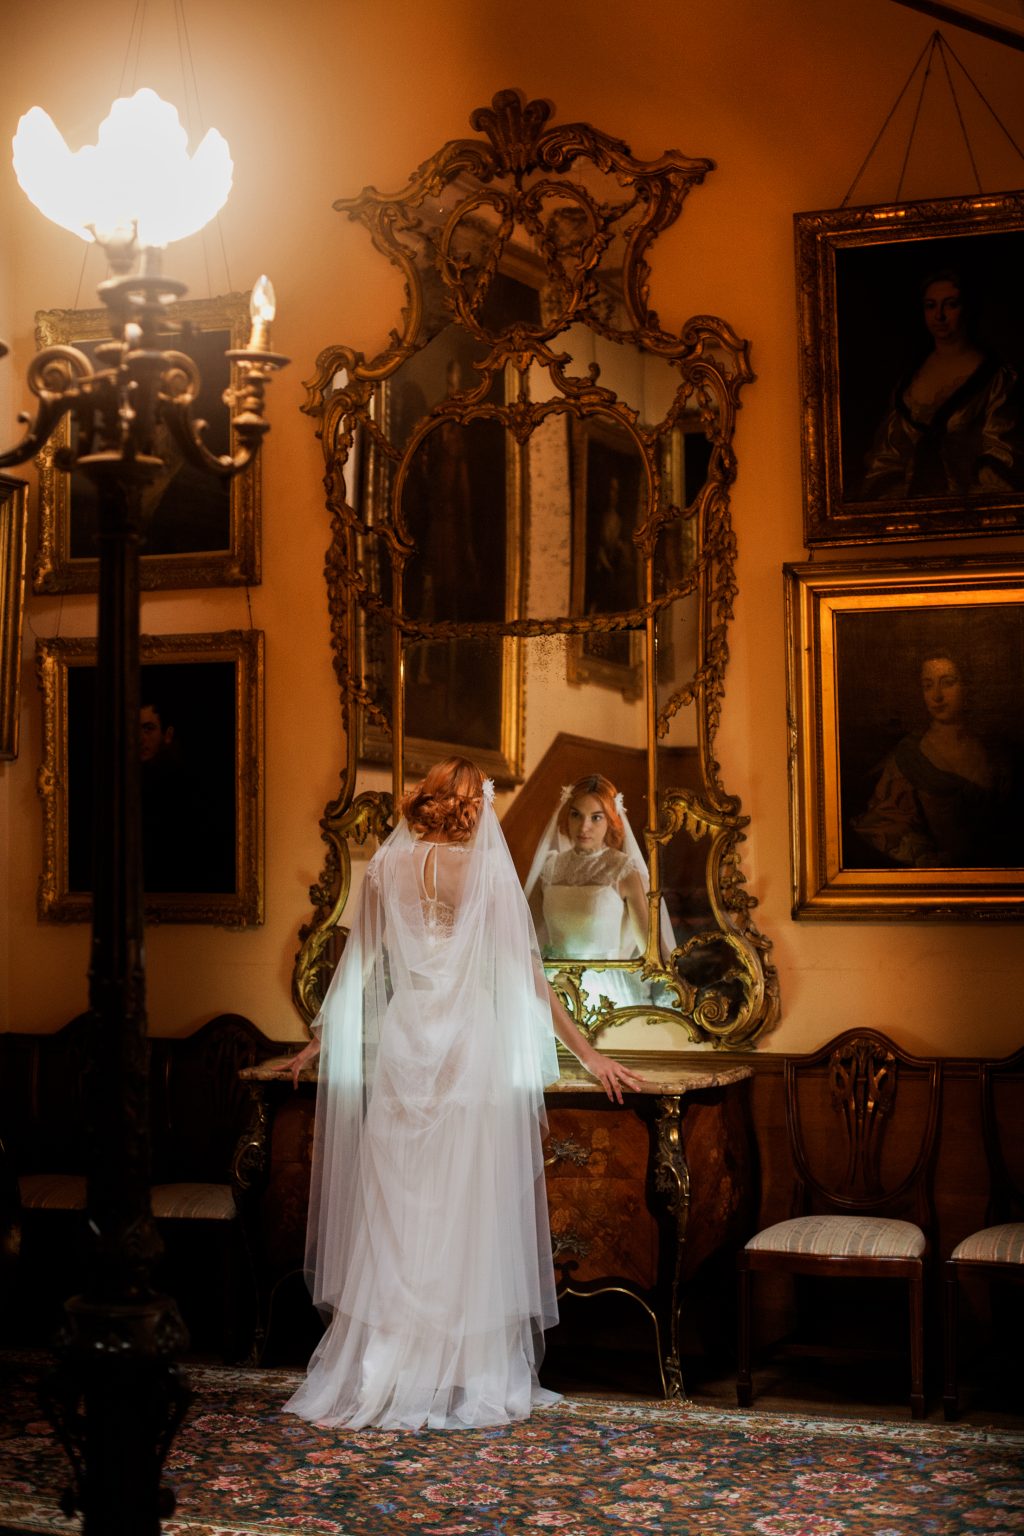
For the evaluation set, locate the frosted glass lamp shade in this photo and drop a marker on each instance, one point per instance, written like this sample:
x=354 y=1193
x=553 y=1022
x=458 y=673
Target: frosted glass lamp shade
x=139 y=173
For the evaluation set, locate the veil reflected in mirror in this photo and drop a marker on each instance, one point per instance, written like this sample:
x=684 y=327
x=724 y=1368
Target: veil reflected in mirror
x=532 y=562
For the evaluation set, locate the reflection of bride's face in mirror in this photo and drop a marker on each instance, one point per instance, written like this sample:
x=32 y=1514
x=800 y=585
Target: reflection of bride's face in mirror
x=587 y=894
x=587 y=824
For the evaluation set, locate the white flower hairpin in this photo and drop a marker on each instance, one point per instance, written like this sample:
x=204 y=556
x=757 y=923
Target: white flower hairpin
x=620 y=804
x=488 y=789
x=566 y=792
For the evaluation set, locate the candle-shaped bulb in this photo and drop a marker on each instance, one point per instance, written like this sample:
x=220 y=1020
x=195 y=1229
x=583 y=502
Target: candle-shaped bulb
x=262 y=309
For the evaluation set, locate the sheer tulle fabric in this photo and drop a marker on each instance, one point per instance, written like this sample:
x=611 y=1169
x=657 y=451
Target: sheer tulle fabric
x=428 y=1230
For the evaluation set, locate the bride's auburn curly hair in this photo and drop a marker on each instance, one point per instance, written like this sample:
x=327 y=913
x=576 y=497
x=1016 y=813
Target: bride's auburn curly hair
x=447 y=801
x=604 y=790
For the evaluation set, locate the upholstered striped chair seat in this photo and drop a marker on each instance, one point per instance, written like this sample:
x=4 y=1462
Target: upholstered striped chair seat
x=173 y=1202
x=52 y=1191
x=194 y=1202
x=993 y=1245
x=860 y=1237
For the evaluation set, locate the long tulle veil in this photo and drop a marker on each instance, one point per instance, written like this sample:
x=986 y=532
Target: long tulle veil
x=397 y=992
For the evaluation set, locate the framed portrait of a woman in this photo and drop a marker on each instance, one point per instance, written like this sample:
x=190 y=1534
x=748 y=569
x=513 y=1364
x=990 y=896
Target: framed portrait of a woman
x=607 y=508
x=912 y=369
x=201 y=777
x=197 y=530
x=906 y=708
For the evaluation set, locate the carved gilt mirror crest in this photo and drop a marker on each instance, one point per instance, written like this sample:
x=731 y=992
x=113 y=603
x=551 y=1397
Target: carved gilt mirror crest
x=532 y=561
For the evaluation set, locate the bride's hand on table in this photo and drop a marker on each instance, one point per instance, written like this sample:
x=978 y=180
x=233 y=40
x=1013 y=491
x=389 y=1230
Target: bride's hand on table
x=295 y=1064
x=611 y=1074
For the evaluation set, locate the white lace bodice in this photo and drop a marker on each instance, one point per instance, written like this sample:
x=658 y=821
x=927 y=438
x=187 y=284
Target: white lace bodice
x=605 y=866
x=583 y=910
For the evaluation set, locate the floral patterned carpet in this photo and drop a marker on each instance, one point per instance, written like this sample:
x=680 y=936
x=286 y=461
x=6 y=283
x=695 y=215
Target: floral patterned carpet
x=586 y=1467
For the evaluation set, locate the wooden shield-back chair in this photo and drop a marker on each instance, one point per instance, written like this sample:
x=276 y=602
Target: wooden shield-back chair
x=861 y=1117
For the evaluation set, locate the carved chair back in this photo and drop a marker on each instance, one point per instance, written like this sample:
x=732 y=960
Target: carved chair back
x=853 y=1153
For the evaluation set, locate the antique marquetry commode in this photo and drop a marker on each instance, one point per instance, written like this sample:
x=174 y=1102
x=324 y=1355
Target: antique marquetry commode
x=640 y=1195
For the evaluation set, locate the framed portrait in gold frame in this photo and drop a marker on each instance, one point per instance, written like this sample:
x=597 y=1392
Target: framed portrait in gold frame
x=201 y=750
x=607 y=509
x=197 y=529
x=911 y=320
x=906 y=721
x=13 y=529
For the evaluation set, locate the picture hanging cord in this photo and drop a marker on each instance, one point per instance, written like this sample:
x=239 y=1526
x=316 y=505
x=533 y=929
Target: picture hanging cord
x=196 y=129
x=936 y=43
x=81 y=278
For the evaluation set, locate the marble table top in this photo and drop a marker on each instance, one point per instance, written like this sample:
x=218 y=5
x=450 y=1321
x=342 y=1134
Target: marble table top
x=572 y=1079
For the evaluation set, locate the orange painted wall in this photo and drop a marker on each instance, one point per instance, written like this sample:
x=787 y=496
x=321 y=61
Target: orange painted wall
x=318 y=99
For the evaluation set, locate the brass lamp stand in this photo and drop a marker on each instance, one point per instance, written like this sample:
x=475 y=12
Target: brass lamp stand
x=117 y=1397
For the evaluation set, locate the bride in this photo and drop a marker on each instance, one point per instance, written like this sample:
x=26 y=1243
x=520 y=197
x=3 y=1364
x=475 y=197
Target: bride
x=587 y=890
x=428 y=1234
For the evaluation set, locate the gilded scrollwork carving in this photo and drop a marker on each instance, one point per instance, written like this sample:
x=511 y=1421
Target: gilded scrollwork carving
x=249 y=1159
x=594 y=1015
x=567 y=1150
x=525 y=257
x=569 y=1245
x=368 y=815
x=672 y=1181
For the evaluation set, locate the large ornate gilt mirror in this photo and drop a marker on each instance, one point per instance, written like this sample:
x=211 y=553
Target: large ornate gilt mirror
x=532 y=561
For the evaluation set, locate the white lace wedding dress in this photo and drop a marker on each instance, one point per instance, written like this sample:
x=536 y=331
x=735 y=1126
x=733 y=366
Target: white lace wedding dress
x=429 y=1239
x=586 y=918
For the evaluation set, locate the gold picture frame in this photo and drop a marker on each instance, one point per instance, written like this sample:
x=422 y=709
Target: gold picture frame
x=202 y=531
x=13 y=533
x=906 y=750
x=911 y=319
x=607 y=494
x=201 y=740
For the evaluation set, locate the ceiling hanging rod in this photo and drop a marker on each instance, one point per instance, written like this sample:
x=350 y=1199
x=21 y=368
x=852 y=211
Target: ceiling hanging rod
x=956 y=16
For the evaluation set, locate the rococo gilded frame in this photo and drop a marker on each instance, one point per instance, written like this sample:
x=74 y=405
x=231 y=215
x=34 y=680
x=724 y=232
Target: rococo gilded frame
x=239 y=563
x=13 y=532
x=882 y=824
x=243 y=650
x=861 y=275
x=590 y=211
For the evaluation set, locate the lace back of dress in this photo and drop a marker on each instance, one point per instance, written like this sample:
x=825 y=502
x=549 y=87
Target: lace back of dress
x=438 y=914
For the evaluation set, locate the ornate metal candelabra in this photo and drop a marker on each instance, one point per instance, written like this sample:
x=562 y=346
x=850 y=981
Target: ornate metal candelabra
x=117 y=1395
